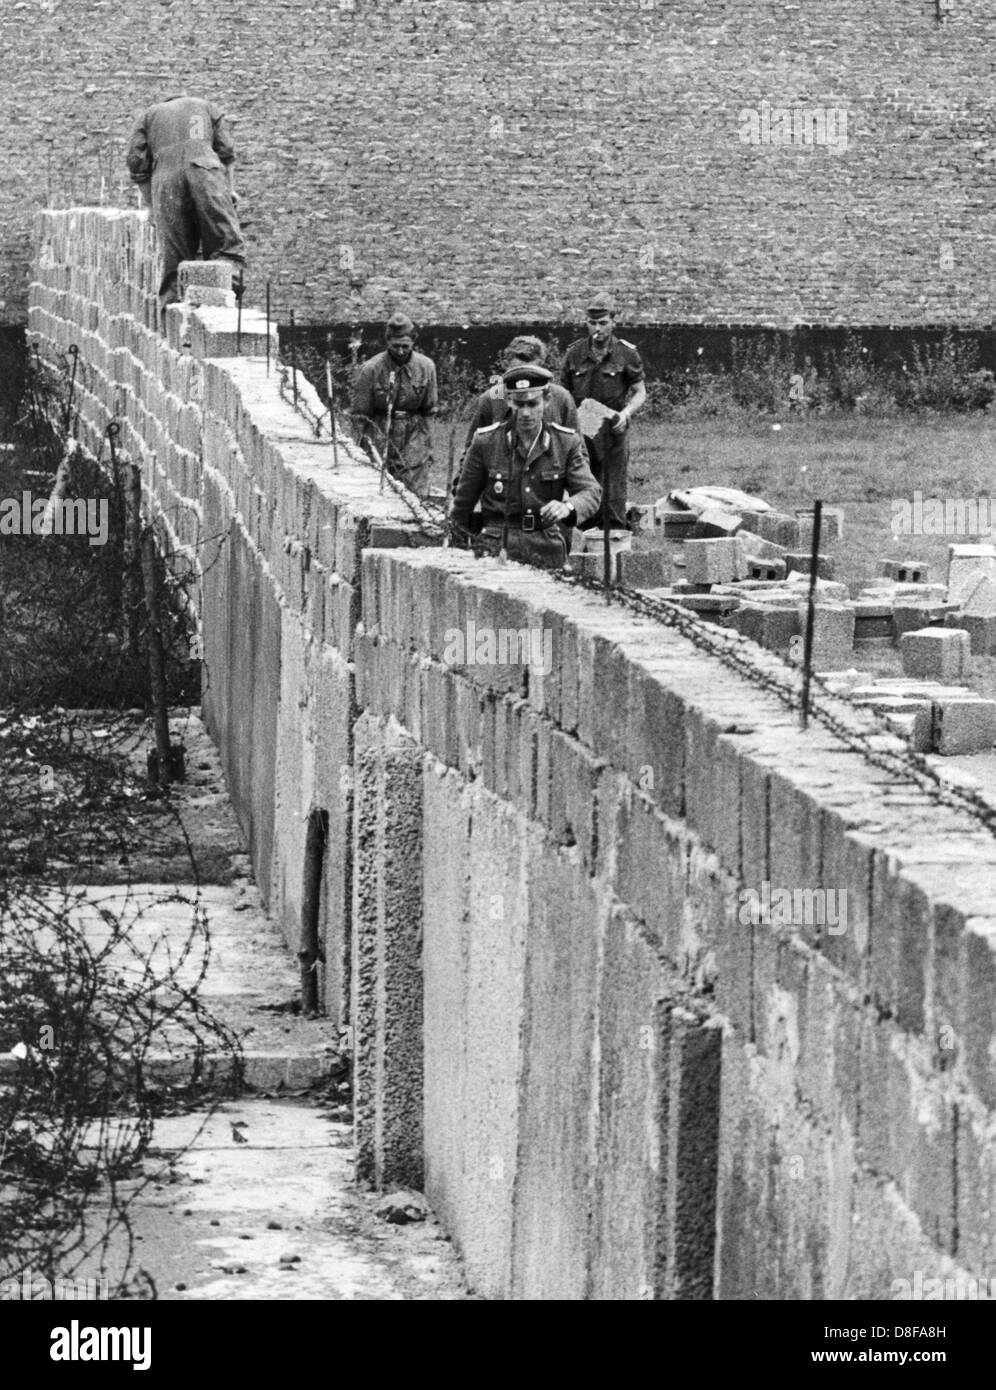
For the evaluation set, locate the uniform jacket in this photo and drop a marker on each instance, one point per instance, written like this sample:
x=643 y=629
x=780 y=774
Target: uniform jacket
x=495 y=473
x=607 y=381
x=415 y=388
x=172 y=134
x=492 y=407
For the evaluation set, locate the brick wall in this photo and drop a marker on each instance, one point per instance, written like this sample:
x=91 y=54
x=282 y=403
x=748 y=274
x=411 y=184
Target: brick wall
x=493 y=161
x=612 y=1080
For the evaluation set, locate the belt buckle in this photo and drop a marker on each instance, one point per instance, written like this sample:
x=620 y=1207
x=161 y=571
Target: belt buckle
x=529 y=522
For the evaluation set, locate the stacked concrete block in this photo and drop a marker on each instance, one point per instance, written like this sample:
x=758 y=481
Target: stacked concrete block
x=718 y=561
x=966 y=564
x=935 y=653
x=717 y=521
x=833 y=635
x=801 y=562
x=644 y=569
x=905 y=571
x=981 y=629
x=769 y=625
x=964 y=724
x=778 y=527
x=765 y=569
x=913 y=617
x=831 y=523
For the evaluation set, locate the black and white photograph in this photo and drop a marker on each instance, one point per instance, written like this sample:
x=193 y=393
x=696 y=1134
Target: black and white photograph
x=497 y=669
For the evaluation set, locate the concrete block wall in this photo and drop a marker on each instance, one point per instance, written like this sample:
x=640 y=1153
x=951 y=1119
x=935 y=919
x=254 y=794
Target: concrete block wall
x=390 y=154
x=614 y=1076
x=248 y=507
x=633 y=1085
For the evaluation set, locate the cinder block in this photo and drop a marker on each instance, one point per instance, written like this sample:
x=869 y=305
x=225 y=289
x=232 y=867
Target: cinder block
x=765 y=569
x=758 y=548
x=966 y=563
x=778 y=527
x=935 y=653
x=711 y=561
x=833 y=635
x=717 y=521
x=912 y=718
x=912 y=617
x=905 y=571
x=802 y=562
x=209 y=274
x=980 y=600
x=644 y=569
x=831 y=522
x=964 y=726
x=197 y=295
x=767 y=625
x=981 y=631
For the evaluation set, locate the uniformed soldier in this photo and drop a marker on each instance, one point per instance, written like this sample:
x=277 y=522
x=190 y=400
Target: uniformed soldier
x=492 y=406
x=181 y=157
x=399 y=382
x=520 y=469
x=609 y=370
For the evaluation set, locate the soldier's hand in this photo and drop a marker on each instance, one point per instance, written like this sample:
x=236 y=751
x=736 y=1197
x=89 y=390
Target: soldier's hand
x=620 y=423
x=554 y=511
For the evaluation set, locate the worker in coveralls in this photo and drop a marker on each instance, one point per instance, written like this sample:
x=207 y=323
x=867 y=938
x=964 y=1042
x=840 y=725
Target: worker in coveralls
x=181 y=157
x=609 y=370
x=520 y=468
x=399 y=385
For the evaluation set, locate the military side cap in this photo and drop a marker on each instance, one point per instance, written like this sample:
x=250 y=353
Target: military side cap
x=399 y=326
x=601 y=304
x=528 y=376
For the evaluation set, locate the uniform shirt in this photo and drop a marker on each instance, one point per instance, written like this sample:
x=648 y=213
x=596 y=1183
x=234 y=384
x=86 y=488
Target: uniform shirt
x=492 y=408
x=557 y=461
x=607 y=381
x=184 y=130
x=415 y=389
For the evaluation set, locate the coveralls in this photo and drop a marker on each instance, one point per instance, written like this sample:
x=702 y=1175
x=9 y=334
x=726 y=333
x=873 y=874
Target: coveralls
x=607 y=380
x=183 y=146
x=415 y=395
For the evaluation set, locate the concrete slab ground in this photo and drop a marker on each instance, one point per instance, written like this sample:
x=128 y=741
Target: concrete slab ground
x=275 y=1214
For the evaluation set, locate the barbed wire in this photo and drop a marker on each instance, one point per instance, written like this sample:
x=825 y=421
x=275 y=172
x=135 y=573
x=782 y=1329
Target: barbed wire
x=860 y=729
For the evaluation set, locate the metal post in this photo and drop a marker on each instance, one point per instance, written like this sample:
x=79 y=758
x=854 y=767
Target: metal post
x=293 y=358
x=606 y=543
x=267 y=328
x=330 y=391
x=74 y=353
x=807 y=654
x=239 y=290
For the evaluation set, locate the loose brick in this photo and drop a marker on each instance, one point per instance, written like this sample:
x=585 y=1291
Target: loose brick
x=935 y=653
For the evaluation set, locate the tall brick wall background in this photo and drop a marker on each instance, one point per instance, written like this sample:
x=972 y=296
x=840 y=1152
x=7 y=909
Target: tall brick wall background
x=611 y=1083
x=475 y=161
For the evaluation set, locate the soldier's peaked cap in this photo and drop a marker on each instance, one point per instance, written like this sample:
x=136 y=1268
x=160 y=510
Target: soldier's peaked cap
x=601 y=303
x=528 y=376
x=399 y=326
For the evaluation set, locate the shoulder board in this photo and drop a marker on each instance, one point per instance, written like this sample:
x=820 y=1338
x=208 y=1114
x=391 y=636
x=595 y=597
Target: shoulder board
x=627 y=344
x=564 y=429
x=486 y=429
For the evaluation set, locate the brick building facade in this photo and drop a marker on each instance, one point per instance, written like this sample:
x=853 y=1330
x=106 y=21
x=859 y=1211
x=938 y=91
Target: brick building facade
x=744 y=161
